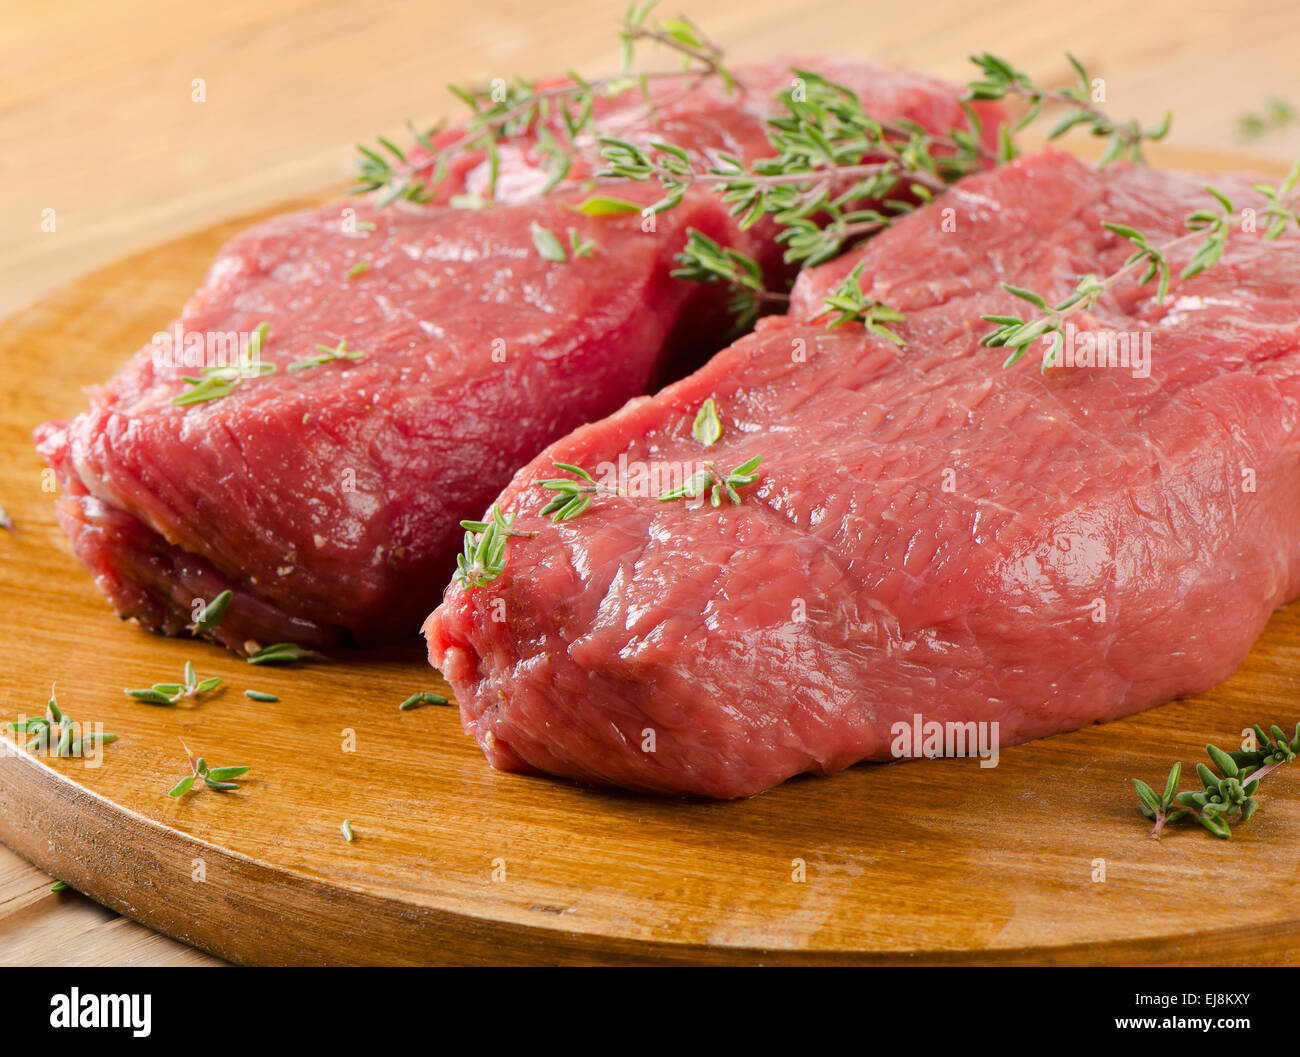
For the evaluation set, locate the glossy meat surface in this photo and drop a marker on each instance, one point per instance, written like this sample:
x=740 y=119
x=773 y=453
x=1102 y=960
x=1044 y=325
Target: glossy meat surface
x=930 y=533
x=328 y=499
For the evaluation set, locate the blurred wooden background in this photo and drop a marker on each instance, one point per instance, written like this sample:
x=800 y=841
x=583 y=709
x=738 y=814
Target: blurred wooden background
x=99 y=123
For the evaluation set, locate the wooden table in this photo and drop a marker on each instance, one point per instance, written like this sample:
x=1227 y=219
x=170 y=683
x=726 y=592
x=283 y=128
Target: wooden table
x=100 y=124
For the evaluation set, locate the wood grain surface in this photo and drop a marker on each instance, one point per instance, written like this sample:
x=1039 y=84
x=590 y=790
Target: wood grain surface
x=99 y=124
x=934 y=861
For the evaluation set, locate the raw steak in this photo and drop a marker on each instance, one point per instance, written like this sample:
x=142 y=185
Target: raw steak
x=930 y=533
x=328 y=499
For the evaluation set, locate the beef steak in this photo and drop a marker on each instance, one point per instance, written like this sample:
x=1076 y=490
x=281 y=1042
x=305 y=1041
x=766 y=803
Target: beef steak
x=930 y=533
x=328 y=498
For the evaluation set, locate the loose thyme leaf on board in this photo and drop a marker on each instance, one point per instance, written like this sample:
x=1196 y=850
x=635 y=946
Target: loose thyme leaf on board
x=1227 y=791
x=284 y=653
x=421 y=699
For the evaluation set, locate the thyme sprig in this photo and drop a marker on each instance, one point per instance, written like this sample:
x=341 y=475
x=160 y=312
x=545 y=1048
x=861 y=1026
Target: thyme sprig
x=212 y=383
x=1208 y=230
x=836 y=172
x=57 y=732
x=328 y=354
x=510 y=109
x=217 y=778
x=999 y=79
x=1281 y=211
x=1277 y=114
x=1227 y=791
x=848 y=304
x=174 y=693
x=573 y=497
x=575 y=494
x=483 y=559
x=703 y=260
x=716 y=483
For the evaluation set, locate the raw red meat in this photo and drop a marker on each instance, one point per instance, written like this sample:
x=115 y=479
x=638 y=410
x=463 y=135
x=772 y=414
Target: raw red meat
x=328 y=499
x=930 y=533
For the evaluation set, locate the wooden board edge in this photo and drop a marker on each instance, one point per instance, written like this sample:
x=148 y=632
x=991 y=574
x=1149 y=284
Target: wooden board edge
x=126 y=853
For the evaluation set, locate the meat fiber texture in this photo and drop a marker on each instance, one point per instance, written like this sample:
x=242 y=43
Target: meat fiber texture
x=329 y=499
x=931 y=534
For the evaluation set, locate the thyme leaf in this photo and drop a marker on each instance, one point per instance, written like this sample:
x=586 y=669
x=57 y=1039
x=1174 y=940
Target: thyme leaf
x=707 y=428
x=284 y=653
x=420 y=699
x=1277 y=113
x=214 y=612
x=548 y=246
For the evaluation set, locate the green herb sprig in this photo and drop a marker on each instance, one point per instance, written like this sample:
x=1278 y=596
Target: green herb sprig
x=703 y=260
x=483 y=559
x=57 y=732
x=212 y=383
x=1208 y=230
x=848 y=304
x=329 y=354
x=174 y=693
x=551 y=248
x=511 y=109
x=1277 y=114
x=999 y=79
x=574 y=495
x=1227 y=791
x=816 y=186
x=219 y=779
x=713 y=481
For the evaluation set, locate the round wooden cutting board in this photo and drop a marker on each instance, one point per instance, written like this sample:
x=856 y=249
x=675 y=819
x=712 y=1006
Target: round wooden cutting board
x=1043 y=858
